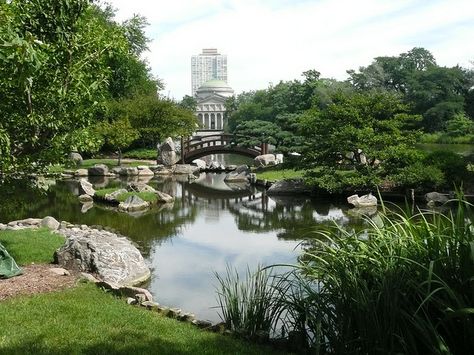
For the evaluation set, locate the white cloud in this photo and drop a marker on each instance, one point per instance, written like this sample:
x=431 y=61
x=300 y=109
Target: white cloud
x=268 y=41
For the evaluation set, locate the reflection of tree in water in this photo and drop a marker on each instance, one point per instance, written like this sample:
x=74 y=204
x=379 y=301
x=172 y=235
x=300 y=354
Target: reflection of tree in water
x=23 y=200
x=293 y=217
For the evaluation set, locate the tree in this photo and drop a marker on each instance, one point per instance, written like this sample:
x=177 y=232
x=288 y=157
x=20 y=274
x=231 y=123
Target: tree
x=155 y=118
x=118 y=134
x=188 y=103
x=60 y=62
x=359 y=140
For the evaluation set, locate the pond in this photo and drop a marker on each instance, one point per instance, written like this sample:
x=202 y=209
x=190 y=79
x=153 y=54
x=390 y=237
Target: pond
x=210 y=225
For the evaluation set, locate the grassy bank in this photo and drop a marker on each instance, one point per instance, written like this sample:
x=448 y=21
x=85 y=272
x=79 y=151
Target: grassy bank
x=280 y=174
x=88 y=163
x=28 y=246
x=86 y=320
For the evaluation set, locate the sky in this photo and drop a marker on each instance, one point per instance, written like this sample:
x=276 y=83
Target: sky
x=271 y=40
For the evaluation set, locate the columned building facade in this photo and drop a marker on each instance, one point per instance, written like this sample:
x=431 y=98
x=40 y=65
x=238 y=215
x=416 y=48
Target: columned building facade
x=210 y=109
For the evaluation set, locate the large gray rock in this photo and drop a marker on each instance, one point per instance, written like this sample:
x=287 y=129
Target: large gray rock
x=265 y=160
x=129 y=171
x=86 y=188
x=99 y=170
x=75 y=157
x=435 y=198
x=50 y=222
x=185 y=169
x=201 y=164
x=81 y=172
x=167 y=154
x=133 y=203
x=289 y=187
x=112 y=197
x=368 y=200
x=114 y=259
x=145 y=172
x=241 y=174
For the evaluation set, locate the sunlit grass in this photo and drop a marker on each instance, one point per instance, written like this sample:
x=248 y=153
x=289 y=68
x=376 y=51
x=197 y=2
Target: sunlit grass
x=28 y=246
x=86 y=320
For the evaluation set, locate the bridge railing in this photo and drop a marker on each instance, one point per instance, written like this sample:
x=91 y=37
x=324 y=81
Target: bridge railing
x=192 y=145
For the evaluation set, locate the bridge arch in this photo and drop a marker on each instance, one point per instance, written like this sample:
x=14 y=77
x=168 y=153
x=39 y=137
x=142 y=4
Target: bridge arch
x=199 y=146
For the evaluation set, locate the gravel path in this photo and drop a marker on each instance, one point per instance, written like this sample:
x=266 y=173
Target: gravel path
x=36 y=278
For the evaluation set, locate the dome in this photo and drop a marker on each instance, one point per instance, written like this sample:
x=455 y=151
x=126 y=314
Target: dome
x=214 y=87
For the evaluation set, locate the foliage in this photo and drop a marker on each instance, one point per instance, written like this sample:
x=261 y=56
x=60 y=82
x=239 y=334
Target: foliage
x=460 y=125
x=404 y=285
x=106 y=325
x=452 y=165
x=188 y=103
x=367 y=132
x=29 y=246
x=155 y=118
x=247 y=306
x=60 y=62
x=141 y=153
x=118 y=134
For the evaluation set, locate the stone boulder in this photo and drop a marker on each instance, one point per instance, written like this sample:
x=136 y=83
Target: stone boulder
x=163 y=197
x=133 y=203
x=162 y=170
x=75 y=157
x=185 y=169
x=241 y=174
x=81 y=172
x=112 y=258
x=215 y=165
x=145 y=172
x=265 y=160
x=363 y=201
x=86 y=188
x=167 y=154
x=140 y=187
x=99 y=170
x=289 y=187
x=128 y=171
x=201 y=164
x=112 y=197
x=436 y=199
x=50 y=223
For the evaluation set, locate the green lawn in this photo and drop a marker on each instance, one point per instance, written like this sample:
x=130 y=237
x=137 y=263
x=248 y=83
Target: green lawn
x=31 y=245
x=280 y=174
x=141 y=153
x=87 y=320
x=88 y=163
x=145 y=196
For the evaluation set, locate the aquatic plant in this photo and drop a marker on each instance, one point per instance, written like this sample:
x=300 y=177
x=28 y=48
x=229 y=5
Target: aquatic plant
x=404 y=285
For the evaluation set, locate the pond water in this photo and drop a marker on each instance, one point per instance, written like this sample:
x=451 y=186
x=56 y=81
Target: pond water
x=210 y=225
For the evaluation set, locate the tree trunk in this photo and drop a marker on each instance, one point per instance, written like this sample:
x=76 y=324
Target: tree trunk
x=119 y=157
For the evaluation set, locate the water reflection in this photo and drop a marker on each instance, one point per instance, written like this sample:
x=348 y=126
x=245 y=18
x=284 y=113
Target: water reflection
x=209 y=225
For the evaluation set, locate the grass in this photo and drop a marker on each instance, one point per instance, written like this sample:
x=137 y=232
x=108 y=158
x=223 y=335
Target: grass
x=111 y=163
x=443 y=138
x=280 y=174
x=31 y=245
x=404 y=285
x=145 y=196
x=86 y=320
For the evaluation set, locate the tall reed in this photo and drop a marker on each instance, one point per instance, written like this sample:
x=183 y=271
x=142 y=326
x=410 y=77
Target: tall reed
x=404 y=285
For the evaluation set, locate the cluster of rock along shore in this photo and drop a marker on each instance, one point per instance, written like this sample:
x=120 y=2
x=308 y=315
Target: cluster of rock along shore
x=108 y=259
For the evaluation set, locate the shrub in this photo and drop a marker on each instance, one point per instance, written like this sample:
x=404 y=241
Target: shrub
x=451 y=164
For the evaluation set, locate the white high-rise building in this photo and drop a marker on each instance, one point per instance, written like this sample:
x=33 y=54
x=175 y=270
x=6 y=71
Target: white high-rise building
x=209 y=65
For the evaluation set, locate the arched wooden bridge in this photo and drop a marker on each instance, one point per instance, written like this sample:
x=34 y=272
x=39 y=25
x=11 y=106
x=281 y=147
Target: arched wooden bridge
x=199 y=146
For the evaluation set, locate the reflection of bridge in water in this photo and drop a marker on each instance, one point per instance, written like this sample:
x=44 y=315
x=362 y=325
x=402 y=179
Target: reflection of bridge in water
x=199 y=146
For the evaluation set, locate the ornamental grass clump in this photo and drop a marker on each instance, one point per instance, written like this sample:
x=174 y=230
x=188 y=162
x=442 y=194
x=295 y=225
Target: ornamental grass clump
x=404 y=285
x=248 y=306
